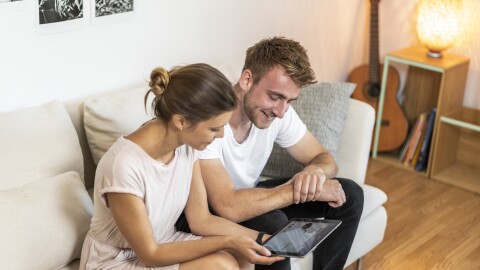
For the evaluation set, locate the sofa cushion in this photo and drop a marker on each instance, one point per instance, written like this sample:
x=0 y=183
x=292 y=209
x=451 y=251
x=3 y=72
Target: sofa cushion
x=44 y=222
x=323 y=108
x=110 y=116
x=36 y=143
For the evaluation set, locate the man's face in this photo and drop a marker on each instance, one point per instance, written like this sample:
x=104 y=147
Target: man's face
x=270 y=97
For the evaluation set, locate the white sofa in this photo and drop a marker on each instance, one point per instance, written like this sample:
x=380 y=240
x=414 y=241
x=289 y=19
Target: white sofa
x=47 y=169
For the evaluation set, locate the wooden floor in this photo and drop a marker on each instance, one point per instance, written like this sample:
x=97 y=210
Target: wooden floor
x=431 y=225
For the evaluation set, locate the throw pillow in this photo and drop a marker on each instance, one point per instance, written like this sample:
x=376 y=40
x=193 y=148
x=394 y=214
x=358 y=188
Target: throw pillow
x=108 y=117
x=323 y=108
x=44 y=222
x=36 y=143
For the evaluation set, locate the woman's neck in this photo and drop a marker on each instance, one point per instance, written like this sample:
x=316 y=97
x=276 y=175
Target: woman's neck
x=157 y=140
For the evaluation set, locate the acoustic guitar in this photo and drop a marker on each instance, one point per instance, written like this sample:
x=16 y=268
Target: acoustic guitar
x=394 y=128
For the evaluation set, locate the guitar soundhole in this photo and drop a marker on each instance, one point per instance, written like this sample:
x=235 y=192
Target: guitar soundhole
x=371 y=90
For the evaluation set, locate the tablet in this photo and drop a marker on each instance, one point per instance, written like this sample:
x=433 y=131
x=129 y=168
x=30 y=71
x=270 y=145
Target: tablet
x=300 y=236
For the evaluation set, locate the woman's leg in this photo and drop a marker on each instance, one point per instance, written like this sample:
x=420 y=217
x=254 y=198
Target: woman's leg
x=242 y=262
x=221 y=260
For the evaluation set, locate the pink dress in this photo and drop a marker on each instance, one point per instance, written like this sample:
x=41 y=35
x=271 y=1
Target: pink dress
x=164 y=188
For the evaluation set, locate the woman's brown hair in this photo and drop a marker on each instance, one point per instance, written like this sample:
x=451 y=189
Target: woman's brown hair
x=197 y=91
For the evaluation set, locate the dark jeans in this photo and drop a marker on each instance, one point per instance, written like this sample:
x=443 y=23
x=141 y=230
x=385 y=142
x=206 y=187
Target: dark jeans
x=332 y=253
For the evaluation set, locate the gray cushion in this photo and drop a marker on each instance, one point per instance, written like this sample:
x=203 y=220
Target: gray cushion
x=323 y=108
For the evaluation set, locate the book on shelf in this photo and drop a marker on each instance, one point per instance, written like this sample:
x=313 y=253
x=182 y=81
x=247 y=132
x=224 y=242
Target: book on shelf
x=418 y=145
x=422 y=161
x=408 y=151
x=404 y=148
x=415 y=138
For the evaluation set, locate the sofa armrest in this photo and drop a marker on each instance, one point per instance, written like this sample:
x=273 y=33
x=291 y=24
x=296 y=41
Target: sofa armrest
x=354 y=149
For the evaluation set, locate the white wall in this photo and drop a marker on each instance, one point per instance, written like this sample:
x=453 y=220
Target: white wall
x=35 y=68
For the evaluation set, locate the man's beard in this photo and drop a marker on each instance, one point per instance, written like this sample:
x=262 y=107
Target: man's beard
x=250 y=112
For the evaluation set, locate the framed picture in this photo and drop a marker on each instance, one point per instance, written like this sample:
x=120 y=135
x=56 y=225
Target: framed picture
x=54 y=11
x=59 y=15
x=104 y=11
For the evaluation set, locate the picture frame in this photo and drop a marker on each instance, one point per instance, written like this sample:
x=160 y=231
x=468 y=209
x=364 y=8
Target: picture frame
x=59 y=15
x=111 y=11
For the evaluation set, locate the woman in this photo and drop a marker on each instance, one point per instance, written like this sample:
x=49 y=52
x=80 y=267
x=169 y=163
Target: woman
x=146 y=179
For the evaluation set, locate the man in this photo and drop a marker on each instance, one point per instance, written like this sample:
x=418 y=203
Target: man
x=275 y=70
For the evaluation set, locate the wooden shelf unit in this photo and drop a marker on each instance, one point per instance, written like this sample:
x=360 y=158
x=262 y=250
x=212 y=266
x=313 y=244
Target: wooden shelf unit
x=455 y=141
x=457 y=160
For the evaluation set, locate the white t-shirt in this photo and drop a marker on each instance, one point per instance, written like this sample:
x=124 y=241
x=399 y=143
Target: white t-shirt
x=244 y=162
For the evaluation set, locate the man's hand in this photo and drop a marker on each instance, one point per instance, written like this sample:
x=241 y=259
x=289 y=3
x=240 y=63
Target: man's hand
x=313 y=186
x=332 y=193
x=307 y=185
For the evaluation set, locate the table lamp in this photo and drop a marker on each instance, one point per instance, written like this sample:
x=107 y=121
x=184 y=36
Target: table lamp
x=438 y=25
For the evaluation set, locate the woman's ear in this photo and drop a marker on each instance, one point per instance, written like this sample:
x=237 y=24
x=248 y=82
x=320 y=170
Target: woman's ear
x=246 y=80
x=179 y=121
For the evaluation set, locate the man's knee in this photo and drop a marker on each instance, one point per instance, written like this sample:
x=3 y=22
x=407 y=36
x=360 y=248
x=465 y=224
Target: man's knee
x=353 y=193
x=269 y=222
x=275 y=220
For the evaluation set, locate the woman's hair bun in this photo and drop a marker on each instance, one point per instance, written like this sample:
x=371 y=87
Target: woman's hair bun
x=159 y=79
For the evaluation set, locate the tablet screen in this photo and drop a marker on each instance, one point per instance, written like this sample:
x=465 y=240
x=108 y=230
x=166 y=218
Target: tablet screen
x=300 y=236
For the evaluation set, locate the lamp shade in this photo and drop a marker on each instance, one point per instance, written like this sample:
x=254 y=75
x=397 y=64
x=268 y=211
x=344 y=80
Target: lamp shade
x=438 y=24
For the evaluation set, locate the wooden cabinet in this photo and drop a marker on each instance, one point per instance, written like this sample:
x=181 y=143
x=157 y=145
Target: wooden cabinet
x=454 y=155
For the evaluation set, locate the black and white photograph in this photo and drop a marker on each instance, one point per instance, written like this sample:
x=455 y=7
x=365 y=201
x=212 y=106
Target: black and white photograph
x=53 y=11
x=110 y=7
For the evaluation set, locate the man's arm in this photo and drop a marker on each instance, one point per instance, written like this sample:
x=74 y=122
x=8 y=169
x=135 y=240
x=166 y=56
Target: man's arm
x=314 y=182
x=308 y=185
x=309 y=152
x=242 y=204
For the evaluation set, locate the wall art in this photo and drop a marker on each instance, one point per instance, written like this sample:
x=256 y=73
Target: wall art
x=112 y=10
x=59 y=15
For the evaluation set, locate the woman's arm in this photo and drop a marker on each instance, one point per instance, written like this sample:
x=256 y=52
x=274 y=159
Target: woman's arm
x=132 y=220
x=202 y=222
x=131 y=217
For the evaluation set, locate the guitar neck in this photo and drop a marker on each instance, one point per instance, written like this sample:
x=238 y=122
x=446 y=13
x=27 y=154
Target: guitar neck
x=374 y=62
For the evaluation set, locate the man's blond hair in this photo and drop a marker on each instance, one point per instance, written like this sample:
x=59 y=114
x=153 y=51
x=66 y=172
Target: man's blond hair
x=270 y=52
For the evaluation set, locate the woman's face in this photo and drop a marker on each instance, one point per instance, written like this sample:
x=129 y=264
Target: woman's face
x=203 y=134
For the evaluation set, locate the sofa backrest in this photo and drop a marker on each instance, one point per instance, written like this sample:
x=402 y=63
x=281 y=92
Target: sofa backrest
x=354 y=148
x=103 y=107
x=75 y=110
x=352 y=156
